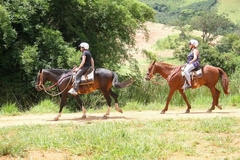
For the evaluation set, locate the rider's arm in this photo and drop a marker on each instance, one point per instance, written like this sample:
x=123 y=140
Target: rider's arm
x=195 y=56
x=82 y=63
x=92 y=63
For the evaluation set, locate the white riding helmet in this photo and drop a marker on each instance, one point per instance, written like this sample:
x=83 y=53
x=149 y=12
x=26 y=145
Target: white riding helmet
x=84 y=45
x=193 y=42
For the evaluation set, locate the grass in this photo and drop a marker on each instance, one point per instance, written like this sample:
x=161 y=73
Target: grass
x=231 y=7
x=183 y=138
x=9 y=109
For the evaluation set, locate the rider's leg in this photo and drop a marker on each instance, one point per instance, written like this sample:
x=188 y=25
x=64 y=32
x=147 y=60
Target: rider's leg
x=187 y=70
x=78 y=77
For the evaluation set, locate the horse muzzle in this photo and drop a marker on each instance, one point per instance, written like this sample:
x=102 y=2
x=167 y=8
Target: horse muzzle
x=147 y=78
x=38 y=87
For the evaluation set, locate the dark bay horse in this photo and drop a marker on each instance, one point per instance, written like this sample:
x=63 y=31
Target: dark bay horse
x=103 y=80
x=175 y=81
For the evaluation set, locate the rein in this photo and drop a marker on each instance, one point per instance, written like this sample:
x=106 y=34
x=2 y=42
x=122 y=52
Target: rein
x=151 y=75
x=47 y=89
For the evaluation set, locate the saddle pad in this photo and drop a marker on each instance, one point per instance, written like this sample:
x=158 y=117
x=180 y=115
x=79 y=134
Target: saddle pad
x=87 y=78
x=193 y=73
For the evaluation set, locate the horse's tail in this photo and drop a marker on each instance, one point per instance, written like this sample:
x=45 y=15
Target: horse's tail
x=224 y=81
x=118 y=84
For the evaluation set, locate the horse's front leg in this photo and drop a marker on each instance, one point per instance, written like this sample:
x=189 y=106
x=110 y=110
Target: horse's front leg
x=62 y=104
x=168 y=100
x=80 y=105
x=186 y=101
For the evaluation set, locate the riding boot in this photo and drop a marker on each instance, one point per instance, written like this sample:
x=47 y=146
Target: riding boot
x=76 y=86
x=74 y=90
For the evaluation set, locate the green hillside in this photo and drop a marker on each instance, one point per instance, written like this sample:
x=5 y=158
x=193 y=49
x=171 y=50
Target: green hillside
x=169 y=11
x=231 y=7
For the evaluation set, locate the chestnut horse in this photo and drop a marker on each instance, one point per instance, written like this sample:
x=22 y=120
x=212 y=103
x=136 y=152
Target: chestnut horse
x=173 y=75
x=103 y=80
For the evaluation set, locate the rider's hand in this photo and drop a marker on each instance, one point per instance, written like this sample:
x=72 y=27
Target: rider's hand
x=76 y=69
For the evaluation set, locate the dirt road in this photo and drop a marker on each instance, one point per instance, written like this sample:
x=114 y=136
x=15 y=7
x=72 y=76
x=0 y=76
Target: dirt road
x=114 y=116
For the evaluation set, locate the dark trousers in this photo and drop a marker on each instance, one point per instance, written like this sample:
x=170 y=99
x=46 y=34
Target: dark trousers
x=78 y=77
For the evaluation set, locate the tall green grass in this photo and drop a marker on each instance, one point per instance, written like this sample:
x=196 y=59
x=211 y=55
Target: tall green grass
x=190 y=138
x=9 y=109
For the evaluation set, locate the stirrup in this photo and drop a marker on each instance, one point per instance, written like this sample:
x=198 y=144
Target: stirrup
x=73 y=92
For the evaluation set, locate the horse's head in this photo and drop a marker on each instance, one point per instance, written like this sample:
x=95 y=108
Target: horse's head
x=39 y=81
x=150 y=72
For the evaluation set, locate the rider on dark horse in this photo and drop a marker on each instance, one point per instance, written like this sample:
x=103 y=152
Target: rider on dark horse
x=86 y=62
x=193 y=61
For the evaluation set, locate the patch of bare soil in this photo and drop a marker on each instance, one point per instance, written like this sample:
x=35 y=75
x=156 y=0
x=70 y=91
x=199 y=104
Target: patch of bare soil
x=156 y=32
x=114 y=116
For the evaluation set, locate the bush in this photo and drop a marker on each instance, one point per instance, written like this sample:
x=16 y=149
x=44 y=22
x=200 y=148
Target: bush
x=9 y=109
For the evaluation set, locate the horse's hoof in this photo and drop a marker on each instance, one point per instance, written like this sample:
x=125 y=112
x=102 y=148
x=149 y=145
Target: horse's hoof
x=209 y=111
x=163 y=112
x=120 y=111
x=187 y=111
x=56 y=119
x=220 y=107
x=84 y=116
x=105 y=117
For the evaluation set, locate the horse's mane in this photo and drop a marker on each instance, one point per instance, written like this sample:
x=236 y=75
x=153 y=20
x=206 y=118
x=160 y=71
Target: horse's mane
x=166 y=64
x=59 y=71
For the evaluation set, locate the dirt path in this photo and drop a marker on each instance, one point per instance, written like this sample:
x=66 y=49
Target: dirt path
x=114 y=116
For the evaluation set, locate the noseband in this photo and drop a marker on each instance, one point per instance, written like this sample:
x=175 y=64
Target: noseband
x=42 y=87
x=150 y=75
x=40 y=84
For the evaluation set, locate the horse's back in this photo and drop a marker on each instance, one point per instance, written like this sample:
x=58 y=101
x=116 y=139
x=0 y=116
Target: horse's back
x=103 y=72
x=211 y=73
x=210 y=69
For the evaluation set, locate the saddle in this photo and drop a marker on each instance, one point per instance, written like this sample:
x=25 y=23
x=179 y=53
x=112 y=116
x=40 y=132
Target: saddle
x=87 y=78
x=195 y=73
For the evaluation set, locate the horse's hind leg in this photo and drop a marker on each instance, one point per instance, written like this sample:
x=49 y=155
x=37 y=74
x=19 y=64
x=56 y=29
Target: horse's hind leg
x=217 y=98
x=115 y=97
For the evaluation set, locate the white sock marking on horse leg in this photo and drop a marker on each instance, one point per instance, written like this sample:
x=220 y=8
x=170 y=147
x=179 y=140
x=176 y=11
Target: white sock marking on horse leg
x=117 y=108
x=108 y=112
x=84 y=112
x=57 y=117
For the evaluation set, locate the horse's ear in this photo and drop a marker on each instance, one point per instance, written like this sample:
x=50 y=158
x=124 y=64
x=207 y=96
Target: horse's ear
x=153 y=62
x=40 y=70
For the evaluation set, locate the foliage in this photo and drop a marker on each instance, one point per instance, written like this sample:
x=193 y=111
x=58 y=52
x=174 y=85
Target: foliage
x=210 y=55
x=229 y=43
x=9 y=109
x=45 y=34
x=169 y=12
x=211 y=25
x=46 y=106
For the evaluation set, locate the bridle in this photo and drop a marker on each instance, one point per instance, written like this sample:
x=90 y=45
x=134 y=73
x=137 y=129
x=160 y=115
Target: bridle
x=41 y=85
x=150 y=75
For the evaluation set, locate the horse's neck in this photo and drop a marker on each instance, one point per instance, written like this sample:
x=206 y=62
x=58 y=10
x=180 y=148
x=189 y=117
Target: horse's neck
x=164 y=69
x=51 y=76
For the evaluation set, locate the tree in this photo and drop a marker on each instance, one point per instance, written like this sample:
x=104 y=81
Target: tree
x=211 y=25
x=46 y=34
